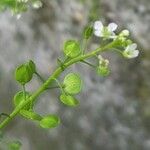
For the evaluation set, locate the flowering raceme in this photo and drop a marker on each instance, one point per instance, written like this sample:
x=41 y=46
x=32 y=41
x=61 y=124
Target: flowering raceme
x=74 y=52
x=107 y=32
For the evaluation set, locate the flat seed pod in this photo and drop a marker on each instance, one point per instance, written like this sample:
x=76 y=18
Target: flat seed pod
x=31 y=66
x=23 y=74
x=50 y=121
x=30 y=115
x=19 y=98
x=69 y=100
x=72 y=83
x=72 y=48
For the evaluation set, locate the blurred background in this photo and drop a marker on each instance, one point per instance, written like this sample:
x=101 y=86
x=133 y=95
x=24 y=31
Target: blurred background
x=114 y=112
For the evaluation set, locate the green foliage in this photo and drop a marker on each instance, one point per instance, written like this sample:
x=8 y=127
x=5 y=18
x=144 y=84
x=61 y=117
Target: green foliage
x=72 y=48
x=72 y=83
x=19 y=6
x=49 y=121
x=69 y=100
x=15 y=145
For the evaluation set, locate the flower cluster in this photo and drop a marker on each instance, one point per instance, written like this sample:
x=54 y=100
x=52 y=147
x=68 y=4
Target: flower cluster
x=108 y=32
x=103 y=67
x=19 y=6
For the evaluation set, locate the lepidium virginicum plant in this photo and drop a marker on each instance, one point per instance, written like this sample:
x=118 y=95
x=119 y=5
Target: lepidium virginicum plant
x=74 y=52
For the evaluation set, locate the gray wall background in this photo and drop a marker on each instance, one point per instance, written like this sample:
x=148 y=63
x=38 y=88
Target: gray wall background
x=114 y=111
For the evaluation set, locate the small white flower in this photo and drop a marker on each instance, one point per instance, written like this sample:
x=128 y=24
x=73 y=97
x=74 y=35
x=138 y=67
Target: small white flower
x=18 y=16
x=102 y=61
x=125 y=33
x=130 y=51
x=37 y=4
x=104 y=31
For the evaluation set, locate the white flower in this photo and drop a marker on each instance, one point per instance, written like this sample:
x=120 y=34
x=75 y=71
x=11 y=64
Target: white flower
x=37 y=4
x=102 y=61
x=125 y=33
x=130 y=51
x=104 y=31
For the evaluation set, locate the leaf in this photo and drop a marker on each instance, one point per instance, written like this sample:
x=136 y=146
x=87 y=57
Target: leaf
x=72 y=83
x=16 y=145
x=30 y=115
x=19 y=99
x=69 y=100
x=103 y=71
x=23 y=74
x=49 y=121
x=72 y=48
x=88 y=31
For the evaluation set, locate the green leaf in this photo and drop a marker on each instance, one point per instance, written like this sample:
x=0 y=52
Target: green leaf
x=23 y=74
x=72 y=48
x=69 y=100
x=30 y=115
x=50 y=121
x=19 y=99
x=32 y=66
x=88 y=31
x=103 y=71
x=72 y=83
x=16 y=145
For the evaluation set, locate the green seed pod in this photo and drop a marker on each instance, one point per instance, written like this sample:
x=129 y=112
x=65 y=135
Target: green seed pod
x=50 y=121
x=19 y=99
x=23 y=74
x=31 y=66
x=88 y=31
x=103 y=71
x=72 y=48
x=30 y=115
x=72 y=83
x=69 y=100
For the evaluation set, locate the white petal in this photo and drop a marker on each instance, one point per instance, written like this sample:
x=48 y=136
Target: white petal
x=112 y=27
x=100 y=57
x=98 y=33
x=131 y=47
x=135 y=53
x=98 y=25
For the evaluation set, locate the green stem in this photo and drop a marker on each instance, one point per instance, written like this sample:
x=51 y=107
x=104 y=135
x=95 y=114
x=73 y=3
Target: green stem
x=59 y=84
x=40 y=77
x=117 y=50
x=46 y=84
x=24 y=91
x=84 y=45
x=53 y=87
x=85 y=62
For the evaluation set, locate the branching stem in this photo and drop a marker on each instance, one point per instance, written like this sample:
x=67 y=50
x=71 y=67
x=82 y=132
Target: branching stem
x=49 y=81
